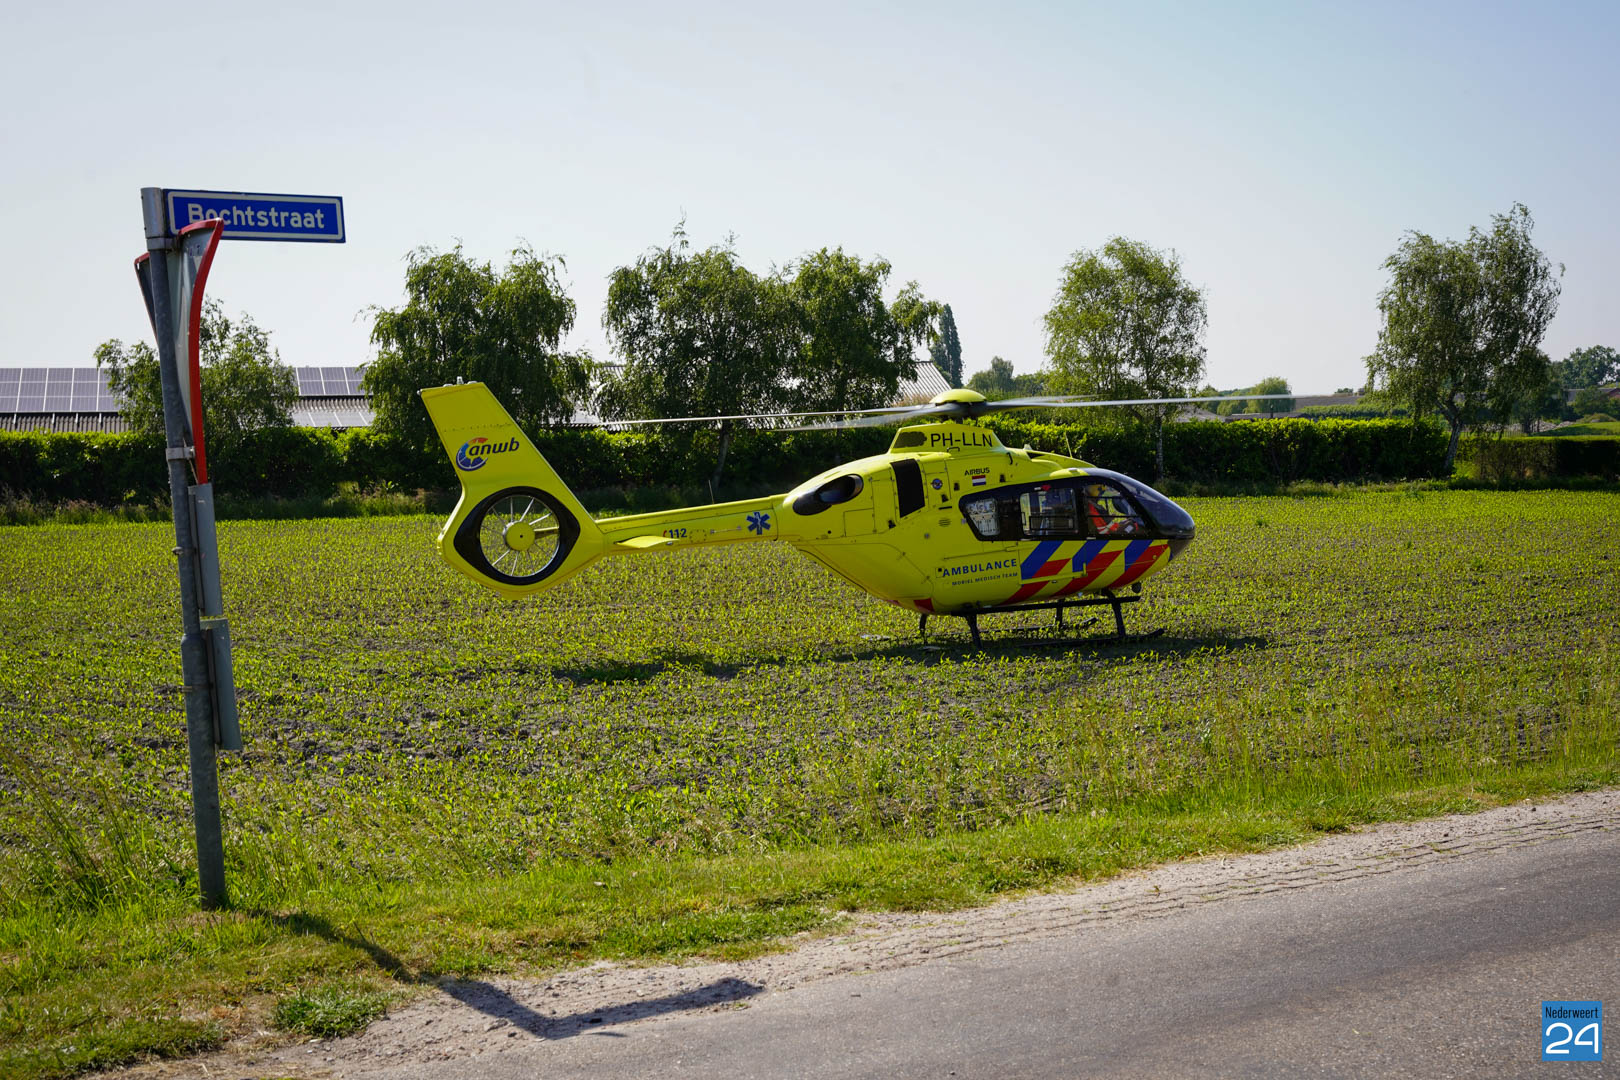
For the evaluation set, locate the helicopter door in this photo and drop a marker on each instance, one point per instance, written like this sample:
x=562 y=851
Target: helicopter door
x=908 y=486
x=878 y=506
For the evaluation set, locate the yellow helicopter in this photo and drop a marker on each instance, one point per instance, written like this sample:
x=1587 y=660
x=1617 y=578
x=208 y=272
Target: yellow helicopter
x=948 y=522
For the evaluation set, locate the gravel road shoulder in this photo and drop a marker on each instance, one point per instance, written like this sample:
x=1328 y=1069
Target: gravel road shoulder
x=483 y=1017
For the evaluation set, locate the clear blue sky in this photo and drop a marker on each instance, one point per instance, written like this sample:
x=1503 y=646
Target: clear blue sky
x=1280 y=149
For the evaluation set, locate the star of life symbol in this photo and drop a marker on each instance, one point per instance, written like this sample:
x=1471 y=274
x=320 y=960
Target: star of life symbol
x=759 y=523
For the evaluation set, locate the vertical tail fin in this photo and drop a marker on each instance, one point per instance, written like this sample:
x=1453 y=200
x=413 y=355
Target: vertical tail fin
x=517 y=528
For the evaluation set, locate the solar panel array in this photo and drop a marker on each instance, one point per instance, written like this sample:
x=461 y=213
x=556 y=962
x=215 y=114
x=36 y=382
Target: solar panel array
x=328 y=381
x=55 y=390
x=84 y=389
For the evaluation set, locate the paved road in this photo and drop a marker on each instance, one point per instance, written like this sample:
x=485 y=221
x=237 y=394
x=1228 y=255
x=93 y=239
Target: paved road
x=1423 y=966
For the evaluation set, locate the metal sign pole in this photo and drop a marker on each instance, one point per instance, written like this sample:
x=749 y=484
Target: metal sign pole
x=194 y=665
x=175 y=305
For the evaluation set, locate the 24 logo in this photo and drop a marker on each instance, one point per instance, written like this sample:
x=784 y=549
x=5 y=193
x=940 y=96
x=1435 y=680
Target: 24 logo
x=1572 y=1031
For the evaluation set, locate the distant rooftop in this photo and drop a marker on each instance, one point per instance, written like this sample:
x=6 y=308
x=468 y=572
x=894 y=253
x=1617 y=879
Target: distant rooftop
x=78 y=399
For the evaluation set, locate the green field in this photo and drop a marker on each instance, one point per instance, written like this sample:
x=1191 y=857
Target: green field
x=698 y=751
x=1599 y=428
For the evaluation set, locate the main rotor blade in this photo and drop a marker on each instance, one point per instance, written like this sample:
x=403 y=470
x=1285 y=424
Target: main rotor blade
x=1092 y=403
x=962 y=409
x=1057 y=402
x=899 y=414
x=760 y=416
x=909 y=413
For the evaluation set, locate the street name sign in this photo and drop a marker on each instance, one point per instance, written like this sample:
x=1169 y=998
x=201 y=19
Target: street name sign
x=250 y=215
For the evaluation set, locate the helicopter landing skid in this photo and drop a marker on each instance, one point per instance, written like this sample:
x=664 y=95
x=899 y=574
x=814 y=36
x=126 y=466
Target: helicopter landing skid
x=1059 y=606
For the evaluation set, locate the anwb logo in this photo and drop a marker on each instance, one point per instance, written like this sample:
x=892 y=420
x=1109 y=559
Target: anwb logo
x=1572 y=1031
x=474 y=452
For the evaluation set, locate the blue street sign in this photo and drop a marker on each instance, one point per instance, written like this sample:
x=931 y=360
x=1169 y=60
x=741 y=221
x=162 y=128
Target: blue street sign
x=250 y=216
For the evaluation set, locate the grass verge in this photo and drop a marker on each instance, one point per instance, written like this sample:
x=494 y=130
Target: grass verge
x=329 y=1012
x=89 y=990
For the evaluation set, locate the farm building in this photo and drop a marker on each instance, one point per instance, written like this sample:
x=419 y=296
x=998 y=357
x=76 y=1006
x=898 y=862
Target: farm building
x=77 y=399
x=1610 y=392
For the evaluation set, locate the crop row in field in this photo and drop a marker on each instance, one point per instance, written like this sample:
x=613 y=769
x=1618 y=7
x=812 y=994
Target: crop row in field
x=404 y=729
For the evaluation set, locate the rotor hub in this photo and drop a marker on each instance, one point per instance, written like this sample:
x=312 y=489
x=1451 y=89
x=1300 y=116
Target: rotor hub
x=518 y=535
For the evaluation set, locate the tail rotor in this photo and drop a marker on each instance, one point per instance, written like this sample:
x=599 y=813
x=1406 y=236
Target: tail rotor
x=517 y=536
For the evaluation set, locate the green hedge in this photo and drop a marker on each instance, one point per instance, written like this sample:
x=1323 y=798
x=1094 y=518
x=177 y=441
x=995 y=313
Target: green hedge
x=309 y=462
x=104 y=469
x=1252 y=452
x=312 y=462
x=1518 y=460
x=129 y=468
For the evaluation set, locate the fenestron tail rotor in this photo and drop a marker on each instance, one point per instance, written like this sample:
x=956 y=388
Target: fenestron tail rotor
x=520 y=535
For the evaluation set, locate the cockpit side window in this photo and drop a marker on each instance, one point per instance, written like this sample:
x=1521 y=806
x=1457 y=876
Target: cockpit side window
x=1049 y=512
x=982 y=515
x=995 y=515
x=833 y=492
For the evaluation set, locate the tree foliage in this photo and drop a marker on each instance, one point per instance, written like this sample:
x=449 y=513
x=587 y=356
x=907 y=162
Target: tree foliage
x=1269 y=406
x=1540 y=401
x=852 y=350
x=702 y=335
x=1591 y=401
x=994 y=382
x=1597 y=365
x=134 y=378
x=1462 y=322
x=998 y=381
x=946 y=352
x=463 y=319
x=245 y=387
x=1126 y=324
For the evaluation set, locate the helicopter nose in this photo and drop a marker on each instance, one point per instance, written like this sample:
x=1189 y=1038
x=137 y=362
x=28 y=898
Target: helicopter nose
x=1169 y=520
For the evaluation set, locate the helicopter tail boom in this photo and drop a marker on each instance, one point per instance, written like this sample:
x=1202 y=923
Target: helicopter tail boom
x=517 y=528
